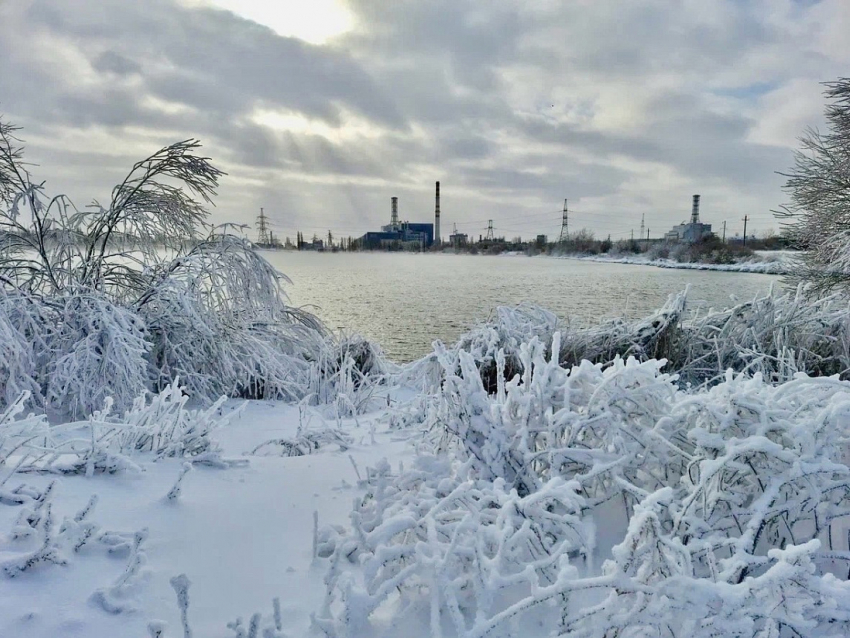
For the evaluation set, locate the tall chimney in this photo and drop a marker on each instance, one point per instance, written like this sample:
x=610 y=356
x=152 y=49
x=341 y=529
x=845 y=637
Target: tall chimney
x=695 y=211
x=437 y=217
x=394 y=217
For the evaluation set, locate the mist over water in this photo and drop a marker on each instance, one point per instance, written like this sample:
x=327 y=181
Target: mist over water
x=405 y=301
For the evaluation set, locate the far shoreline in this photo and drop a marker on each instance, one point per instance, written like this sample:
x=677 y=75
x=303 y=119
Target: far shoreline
x=772 y=267
x=765 y=267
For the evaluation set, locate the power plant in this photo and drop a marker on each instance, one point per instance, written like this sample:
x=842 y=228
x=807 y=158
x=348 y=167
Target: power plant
x=691 y=232
x=405 y=234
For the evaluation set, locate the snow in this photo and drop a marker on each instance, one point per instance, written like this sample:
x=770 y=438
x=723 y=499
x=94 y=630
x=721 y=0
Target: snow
x=771 y=263
x=241 y=535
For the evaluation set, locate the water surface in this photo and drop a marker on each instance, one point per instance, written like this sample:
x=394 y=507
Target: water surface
x=405 y=301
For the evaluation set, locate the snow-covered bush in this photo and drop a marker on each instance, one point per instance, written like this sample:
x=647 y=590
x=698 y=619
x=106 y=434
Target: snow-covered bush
x=219 y=321
x=735 y=506
x=766 y=468
x=817 y=215
x=436 y=542
x=161 y=424
x=51 y=248
x=774 y=334
x=650 y=588
x=117 y=299
x=105 y=442
x=98 y=352
x=651 y=338
x=506 y=332
x=589 y=421
x=23 y=347
x=345 y=375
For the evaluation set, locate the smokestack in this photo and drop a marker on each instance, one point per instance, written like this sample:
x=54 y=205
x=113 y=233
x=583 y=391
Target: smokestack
x=437 y=217
x=695 y=210
x=394 y=217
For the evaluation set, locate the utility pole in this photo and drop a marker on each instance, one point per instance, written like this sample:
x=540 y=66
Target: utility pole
x=724 y=231
x=262 y=228
x=565 y=225
x=490 y=230
x=745 y=230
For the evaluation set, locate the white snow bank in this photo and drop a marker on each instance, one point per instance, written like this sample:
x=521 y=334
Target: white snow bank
x=767 y=267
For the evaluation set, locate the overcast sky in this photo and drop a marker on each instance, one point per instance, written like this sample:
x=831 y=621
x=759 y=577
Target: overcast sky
x=321 y=110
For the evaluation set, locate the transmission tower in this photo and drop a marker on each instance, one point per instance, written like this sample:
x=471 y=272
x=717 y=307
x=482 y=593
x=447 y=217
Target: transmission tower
x=490 y=230
x=263 y=228
x=565 y=225
x=641 y=227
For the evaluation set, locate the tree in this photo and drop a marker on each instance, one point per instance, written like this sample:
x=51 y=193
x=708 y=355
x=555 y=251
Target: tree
x=818 y=215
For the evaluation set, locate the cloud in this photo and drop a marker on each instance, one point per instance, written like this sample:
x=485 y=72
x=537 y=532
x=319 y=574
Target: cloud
x=624 y=108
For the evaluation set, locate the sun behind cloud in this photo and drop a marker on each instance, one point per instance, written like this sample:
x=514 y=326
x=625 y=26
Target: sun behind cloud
x=316 y=21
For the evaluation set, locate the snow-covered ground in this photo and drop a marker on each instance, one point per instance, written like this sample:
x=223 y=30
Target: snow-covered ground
x=769 y=262
x=242 y=535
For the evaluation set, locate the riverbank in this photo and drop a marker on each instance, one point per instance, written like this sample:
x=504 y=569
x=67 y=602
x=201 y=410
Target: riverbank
x=779 y=264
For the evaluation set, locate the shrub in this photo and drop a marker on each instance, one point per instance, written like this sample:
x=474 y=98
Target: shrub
x=130 y=296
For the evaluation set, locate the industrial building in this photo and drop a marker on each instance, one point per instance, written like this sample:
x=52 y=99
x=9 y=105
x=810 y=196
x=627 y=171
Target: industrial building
x=692 y=232
x=411 y=235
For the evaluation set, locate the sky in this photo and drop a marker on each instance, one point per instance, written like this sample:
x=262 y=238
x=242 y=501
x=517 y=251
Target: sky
x=320 y=111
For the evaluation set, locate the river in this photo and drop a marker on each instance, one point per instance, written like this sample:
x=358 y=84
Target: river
x=405 y=301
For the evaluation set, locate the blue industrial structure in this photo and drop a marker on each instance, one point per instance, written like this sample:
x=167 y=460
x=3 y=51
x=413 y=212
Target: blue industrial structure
x=398 y=233
x=406 y=232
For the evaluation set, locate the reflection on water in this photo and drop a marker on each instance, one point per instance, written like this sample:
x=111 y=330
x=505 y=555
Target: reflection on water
x=406 y=301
